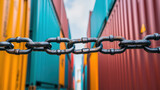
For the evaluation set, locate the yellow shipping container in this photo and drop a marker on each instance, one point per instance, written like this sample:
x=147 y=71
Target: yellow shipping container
x=85 y=59
x=14 y=16
x=62 y=64
x=94 y=71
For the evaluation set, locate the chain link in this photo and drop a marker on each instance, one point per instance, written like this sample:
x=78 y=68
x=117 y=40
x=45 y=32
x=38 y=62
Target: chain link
x=46 y=46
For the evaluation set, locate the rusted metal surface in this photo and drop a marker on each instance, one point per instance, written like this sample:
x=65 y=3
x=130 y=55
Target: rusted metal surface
x=134 y=69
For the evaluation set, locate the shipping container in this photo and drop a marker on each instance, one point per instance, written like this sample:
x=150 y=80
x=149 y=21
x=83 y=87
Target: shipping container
x=73 y=76
x=94 y=81
x=14 y=22
x=66 y=71
x=64 y=20
x=43 y=69
x=69 y=32
x=62 y=65
x=89 y=29
x=62 y=16
x=72 y=61
x=88 y=71
x=85 y=71
x=82 y=76
x=88 y=55
x=100 y=15
x=85 y=78
x=69 y=75
x=134 y=69
x=57 y=6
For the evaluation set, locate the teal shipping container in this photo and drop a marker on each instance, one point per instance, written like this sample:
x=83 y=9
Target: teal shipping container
x=82 y=76
x=85 y=77
x=100 y=16
x=70 y=37
x=69 y=32
x=66 y=71
x=43 y=69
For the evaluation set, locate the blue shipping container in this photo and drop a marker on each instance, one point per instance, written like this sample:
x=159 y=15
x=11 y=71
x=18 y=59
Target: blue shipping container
x=66 y=71
x=42 y=67
x=99 y=16
x=85 y=77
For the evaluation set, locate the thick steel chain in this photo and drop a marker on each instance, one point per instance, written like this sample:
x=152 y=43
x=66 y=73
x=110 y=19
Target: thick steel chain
x=46 y=46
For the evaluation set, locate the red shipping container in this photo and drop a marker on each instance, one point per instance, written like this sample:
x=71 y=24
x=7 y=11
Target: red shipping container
x=62 y=16
x=64 y=20
x=88 y=72
x=69 y=75
x=57 y=5
x=88 y=46
x=133 y=69
x=89 y=29
x=72 y=61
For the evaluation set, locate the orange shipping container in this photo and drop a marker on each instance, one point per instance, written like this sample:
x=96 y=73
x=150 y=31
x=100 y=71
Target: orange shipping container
x=14 y=22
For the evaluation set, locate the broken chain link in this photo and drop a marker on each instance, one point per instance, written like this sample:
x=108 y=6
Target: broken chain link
x=46 y=46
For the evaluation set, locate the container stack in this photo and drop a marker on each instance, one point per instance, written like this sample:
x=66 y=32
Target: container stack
x=38 y=20
x=133 y=69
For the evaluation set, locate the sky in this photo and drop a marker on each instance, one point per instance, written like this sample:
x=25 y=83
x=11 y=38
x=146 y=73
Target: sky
x=78 y=16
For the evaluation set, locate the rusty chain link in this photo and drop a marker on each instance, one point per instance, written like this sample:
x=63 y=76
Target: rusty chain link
x=46 y=46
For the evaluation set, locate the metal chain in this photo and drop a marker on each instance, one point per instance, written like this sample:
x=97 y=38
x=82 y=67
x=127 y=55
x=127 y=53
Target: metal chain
x=46 y=46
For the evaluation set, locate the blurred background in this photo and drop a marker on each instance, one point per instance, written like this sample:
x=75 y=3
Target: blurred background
x=43 y=68
x=78 y=15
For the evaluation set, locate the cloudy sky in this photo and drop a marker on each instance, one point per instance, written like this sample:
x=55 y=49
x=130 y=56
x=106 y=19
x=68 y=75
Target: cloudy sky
x=78 y=15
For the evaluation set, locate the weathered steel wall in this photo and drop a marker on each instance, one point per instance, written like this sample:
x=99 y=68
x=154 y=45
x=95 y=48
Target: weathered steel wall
x=134 y=69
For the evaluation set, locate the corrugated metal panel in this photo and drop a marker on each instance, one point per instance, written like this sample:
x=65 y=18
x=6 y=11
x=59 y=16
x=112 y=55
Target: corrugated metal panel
x=57 y=5
x=66 y=71
x=43 y=68
x=14 y=22
x=73 y=74
x=69 y=75
x=69 y=31
x=94 y=82
x=99 y=16
x=82 y=76
x=88 y=70
x=85 y=77
x=72 y=60
x=134 y=69
x=62 y=17
x=64 y=20
x=25 y=33
x=89 y=29
x=85 y=59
